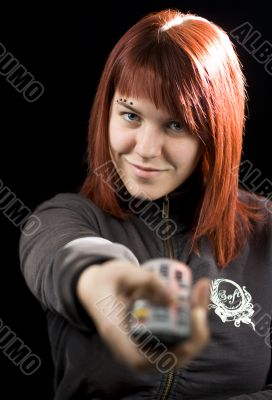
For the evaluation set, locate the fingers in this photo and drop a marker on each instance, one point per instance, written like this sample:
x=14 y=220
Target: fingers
x=200 y=329
x=132 y=282
x=144 y=284
x=115 y=335
x=201 y=293
x=124 y=349
x=198 y=340
x=200 y=333
x=199 y=314
x=125 y=282
x=107 y=292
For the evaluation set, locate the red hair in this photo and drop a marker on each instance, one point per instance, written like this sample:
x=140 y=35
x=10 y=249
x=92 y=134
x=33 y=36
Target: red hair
x=186 y=65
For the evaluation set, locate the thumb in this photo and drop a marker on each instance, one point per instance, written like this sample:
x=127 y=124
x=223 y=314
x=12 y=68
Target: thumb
x=201 y=293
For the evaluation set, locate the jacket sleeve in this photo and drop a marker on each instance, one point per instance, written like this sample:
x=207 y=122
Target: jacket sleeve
x=66 y=242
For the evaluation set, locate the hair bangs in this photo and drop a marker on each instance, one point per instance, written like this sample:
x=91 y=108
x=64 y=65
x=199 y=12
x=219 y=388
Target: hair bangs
x=157 y=76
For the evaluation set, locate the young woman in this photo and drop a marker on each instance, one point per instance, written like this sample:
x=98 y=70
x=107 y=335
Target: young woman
x=165 y=142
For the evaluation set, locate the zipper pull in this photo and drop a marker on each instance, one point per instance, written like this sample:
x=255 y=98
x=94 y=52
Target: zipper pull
x=165 y=207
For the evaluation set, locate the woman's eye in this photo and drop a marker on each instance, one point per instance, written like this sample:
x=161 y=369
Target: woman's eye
x=130 y=116
x=176 y=126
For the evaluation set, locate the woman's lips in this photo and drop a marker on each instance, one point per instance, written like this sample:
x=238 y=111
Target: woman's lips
x=145 y=174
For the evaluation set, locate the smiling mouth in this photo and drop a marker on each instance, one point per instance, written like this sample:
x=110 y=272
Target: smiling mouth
x=145 y=168
x=146 y=174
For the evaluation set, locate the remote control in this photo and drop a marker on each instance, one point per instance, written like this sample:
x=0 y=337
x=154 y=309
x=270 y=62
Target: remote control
x=168 y=324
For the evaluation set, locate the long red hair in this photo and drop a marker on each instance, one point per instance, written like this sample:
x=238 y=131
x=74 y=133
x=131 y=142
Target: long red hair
x=186 y=65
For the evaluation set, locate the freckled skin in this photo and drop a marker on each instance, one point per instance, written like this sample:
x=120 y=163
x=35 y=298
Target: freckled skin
x=150 y=138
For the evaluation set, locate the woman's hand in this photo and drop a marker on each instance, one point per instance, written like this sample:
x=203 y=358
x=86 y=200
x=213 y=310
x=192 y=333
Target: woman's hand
x=106 y=291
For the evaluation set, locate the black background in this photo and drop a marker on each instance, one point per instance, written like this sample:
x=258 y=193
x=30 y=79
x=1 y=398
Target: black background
x=43 y=143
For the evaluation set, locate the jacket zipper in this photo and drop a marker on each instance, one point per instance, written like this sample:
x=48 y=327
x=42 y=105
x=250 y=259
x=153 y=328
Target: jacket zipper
x=165 y=215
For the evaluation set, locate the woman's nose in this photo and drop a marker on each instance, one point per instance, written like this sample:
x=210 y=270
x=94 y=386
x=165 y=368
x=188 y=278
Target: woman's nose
x=148 y=143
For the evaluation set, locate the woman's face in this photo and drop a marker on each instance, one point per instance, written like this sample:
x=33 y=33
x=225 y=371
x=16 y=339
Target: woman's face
x=151 y=138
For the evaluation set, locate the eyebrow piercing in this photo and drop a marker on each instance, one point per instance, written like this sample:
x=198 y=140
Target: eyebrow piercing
x=124 y=101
